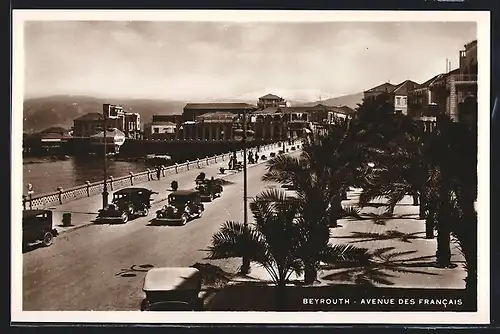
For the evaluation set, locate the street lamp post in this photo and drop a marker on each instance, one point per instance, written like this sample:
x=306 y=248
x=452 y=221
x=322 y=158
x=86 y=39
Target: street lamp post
x=105 y=113
x=245 y=266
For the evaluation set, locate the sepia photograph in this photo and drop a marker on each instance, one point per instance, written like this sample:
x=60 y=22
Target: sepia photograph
x=180 y=165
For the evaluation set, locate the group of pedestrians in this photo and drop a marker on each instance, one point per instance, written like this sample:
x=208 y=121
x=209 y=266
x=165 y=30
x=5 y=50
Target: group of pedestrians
x=234 y=164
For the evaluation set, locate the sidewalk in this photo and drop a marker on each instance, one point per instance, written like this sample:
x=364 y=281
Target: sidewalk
x=83 y=211
x=403 y=258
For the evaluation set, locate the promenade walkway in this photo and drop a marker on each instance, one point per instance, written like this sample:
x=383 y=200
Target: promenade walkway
x=83 y=211
x=403 y=258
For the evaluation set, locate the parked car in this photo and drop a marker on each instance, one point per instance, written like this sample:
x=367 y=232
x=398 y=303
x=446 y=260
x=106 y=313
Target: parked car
x=126 y=204
x=209 y=189
x=172 y=289
x=182 y=206
x=38 y=227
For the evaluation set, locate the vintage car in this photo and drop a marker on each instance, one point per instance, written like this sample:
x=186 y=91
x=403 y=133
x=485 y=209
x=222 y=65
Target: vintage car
x=172 y=289
x=209 y=189
x=182 y=206
x=127 y=203
x=37 y=226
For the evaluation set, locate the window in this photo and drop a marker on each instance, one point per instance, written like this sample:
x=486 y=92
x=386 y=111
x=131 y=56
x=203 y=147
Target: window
x=156 y=130
x=398 y=100
x=404 y=101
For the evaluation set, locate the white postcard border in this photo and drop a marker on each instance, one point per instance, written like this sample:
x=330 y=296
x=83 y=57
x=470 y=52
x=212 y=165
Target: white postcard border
x=483 y=33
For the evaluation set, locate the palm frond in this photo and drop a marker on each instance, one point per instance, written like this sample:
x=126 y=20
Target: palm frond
x=347 y=254
x=230 y=241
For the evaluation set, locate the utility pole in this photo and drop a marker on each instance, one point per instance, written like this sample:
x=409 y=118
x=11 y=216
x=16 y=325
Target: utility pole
x=245 y=267
x=105 y=114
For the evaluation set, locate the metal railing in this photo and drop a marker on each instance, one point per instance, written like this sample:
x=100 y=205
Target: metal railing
x=89 y=189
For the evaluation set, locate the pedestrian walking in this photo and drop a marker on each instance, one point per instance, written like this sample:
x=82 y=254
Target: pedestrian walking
x=158 y=172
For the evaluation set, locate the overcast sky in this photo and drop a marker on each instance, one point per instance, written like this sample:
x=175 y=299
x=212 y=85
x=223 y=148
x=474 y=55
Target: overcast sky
x=201 y=61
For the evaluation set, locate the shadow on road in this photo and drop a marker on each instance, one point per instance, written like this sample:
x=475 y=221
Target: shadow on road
x=386 y=264
x=387 y=235
x=134 y=269
x=380 y=219
x=31 y=247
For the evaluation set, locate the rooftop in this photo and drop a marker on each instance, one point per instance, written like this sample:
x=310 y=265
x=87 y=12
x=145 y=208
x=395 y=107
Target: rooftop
x=404 y=87
x=385 y=87
x=430 y=81
x=165 y=123
x=220 y=106
x=270 y=97
x=93 y=116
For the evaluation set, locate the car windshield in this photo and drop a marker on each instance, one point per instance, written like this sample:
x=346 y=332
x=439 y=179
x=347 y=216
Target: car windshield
x=178 y=199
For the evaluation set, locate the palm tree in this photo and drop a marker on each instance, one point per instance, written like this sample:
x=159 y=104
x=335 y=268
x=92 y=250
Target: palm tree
x=272 y=239
x=401 y=170
x=320 y=178
x=279 y=240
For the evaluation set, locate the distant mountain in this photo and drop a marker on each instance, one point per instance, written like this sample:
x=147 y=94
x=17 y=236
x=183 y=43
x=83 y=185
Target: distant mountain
x=350 y=100
x=61 y=110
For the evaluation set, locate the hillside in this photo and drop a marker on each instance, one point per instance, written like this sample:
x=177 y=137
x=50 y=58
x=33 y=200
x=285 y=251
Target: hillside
x=350 y=100
x=61 y=110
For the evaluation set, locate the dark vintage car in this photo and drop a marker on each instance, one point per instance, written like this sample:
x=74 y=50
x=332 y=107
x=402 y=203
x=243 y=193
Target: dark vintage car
x=126 y=204
x=209 y=189
x=38 y=226
x=172 y=289
x=182 y=206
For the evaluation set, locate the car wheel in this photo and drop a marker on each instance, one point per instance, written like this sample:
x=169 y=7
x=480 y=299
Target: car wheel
x=145 y=212
x=124 y=217
x=200 y=213
x=145 y=305
x=184 y=219
x=48 y=238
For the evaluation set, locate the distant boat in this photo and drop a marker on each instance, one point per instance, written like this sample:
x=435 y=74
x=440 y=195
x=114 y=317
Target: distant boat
x=157 y=159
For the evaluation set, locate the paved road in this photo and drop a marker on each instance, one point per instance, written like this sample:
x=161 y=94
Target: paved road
x=85 y=209
x=81 y=270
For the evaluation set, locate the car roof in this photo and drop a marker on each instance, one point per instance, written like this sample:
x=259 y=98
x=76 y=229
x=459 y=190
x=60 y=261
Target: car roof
x=184 y=193
x=172 y=278
x=131 y=190
x=33 y=213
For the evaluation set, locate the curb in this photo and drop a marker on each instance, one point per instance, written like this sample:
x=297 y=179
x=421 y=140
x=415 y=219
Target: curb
x=77 y=227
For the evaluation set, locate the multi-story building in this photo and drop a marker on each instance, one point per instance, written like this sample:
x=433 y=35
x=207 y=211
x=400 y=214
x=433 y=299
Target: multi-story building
x=401 y=96
x=132 y=128
x=372 y=93
x=210 y=126
x=193 y=110
x=91 y=124
x=456 y=91
x=396 y=94
x=422 y=100
x=270 y=100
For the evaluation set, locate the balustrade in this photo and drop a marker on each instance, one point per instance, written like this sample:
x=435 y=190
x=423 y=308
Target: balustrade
x=89 y=189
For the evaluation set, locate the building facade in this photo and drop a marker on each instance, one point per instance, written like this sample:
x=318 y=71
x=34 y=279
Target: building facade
x=455 y=92
x=193 y=110
x=397 y=95
x=401 y=96
x=92 y=123
x=132 y=125
x=270 y=100
x=372 y=93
